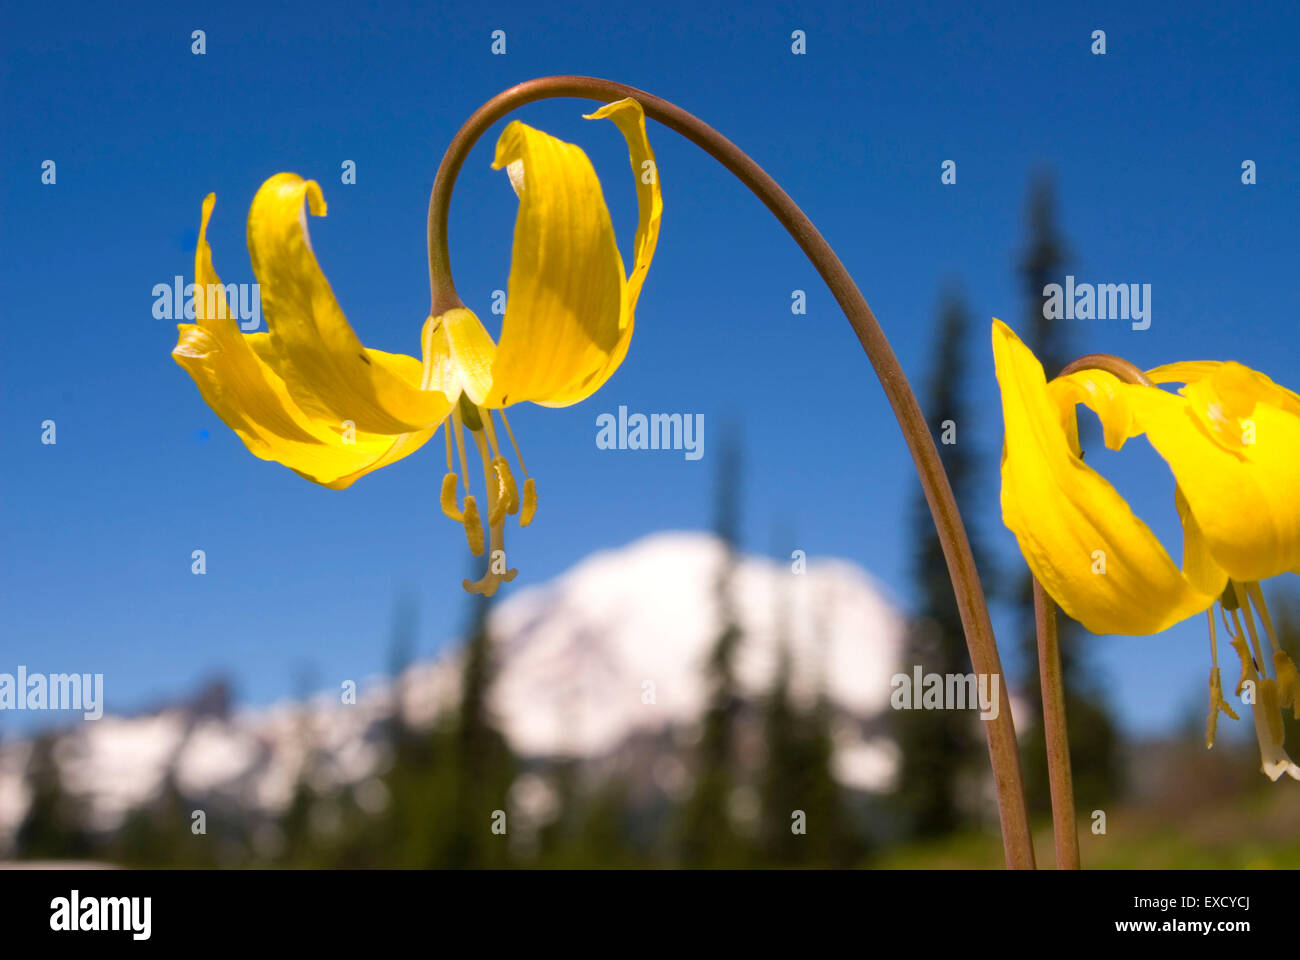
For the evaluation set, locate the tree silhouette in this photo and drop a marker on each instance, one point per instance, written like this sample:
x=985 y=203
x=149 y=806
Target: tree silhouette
x=941 y=748
x=474 y=755
x=709 y=836
x=52 y=827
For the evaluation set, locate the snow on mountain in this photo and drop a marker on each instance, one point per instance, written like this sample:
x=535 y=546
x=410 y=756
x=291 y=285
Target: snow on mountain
x=613 y=648
x=581 y=656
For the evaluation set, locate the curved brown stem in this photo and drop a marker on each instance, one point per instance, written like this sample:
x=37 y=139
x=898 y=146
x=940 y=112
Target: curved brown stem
x=1060 y=778
x=1059 y=774
x=1121 y=368
x=1001 y=734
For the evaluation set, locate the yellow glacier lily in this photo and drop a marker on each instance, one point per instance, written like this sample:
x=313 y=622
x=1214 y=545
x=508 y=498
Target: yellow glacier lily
x=307 y=394
x=1100 y=562
x=1229 y=437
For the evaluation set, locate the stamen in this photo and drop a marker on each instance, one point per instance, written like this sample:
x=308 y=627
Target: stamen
x=501 y=468
x=491 y=433
x=1238 y=644
x=460 y=446
x=473 y=527
x=1288 y=678
x=530 y=488
x=1288 y=683
x=1214 y=641
x=447 y=499
x=1260 y=662
x=1257 y=599
x=1223 y=615
x=510 y=433
x=1217 y=702
x=467 y=516
x=530 y=502
x=505 y=485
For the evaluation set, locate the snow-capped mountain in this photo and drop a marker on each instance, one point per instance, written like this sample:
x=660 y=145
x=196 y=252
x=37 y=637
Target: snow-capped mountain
x=610 y=651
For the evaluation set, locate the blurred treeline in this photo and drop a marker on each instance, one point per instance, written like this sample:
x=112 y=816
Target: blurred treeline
x=1181 y=806
x=449 y=797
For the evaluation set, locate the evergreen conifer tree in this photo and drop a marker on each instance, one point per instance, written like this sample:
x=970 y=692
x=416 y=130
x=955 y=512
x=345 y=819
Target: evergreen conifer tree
x=940 y=749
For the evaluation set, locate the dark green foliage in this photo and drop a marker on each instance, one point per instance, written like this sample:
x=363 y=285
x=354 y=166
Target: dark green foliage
x=53 y=828
x=797 y=786
x=162 y=832
x=708 y=835
x=593 y=826
x=446 y=786
x=942 y=749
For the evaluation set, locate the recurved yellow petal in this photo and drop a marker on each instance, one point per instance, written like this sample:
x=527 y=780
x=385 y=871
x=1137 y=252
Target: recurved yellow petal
x=567 y=296
x=1101 y=392
x=326 y=370
x=1231 y=440
x=630 y=119
x=398 y=447
x=1099 y=561
x=1217 y=704
x=1182 y=372
x=247 y=394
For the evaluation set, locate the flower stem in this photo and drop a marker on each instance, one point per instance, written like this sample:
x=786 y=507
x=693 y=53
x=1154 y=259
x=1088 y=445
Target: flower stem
x=1058 y=741
x=1121 y=368
x=1064 y=823
x=1005 y=760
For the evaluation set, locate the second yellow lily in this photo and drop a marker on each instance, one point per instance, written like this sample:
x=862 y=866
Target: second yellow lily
x=1230 y=437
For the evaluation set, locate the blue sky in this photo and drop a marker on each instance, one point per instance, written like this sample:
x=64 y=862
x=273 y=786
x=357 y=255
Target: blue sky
x=1145 y=144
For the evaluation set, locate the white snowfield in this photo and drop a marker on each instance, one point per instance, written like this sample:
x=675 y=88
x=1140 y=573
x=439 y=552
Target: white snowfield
x=613 y=648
